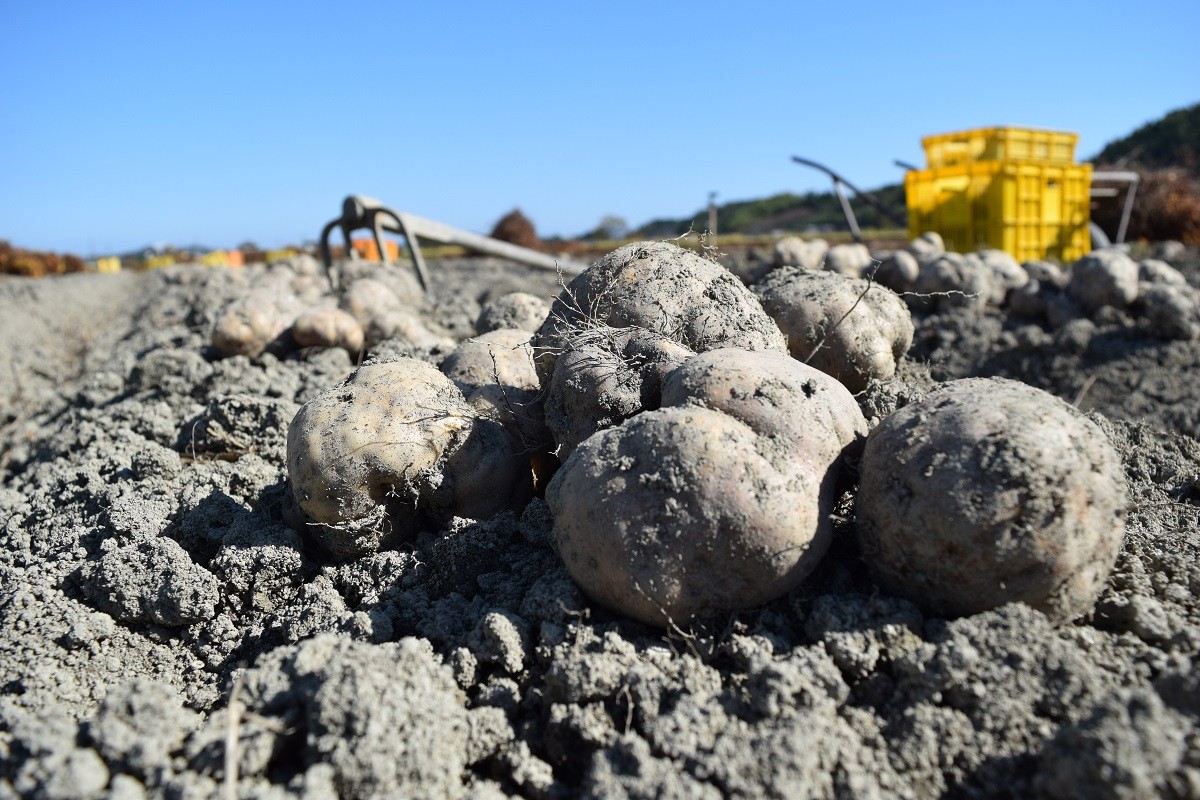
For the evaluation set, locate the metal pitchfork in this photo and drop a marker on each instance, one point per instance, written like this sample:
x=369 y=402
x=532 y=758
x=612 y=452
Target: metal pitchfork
x=366 y=212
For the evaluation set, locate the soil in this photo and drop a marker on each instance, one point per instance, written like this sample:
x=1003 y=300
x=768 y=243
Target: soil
x=165 y=633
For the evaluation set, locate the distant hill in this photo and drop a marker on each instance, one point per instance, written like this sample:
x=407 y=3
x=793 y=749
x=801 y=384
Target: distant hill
x=813 y=211
x=1170 y=142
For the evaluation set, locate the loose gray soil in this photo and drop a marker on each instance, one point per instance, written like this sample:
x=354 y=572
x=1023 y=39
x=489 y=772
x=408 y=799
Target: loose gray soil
x=165 y=633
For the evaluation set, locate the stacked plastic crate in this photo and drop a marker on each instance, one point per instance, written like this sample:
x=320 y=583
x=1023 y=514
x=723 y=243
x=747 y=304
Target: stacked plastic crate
x=1014 y=189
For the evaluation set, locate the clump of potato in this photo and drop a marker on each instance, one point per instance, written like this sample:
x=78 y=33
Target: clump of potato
x=718 y=502
x=989 y=491
x=395 y=441
x=846 y=327
x=927 y=247
x=1007 y=273
x=662 y=288
x=518 y=310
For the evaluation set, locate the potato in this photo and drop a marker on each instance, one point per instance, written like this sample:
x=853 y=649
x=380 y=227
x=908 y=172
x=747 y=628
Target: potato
x=500 y=356
x=828 y=326
x=1171 y=311
x=988 y=491
x=720 y=501
x=851 y=260
x=1152 y=271
x=1045 y=272
x=898 y=271
x=685 y=510
x=518 y=310
x=1007 y=273
x=605 y=376
x=1104 y=278
x=495 y=371
x=397 y=323
x=328 y=327
x=927 y=247
x=792 y=251
x=396 y=440
x=249 y=325
x=662 y=288
x=772 y=393
x=953 y=280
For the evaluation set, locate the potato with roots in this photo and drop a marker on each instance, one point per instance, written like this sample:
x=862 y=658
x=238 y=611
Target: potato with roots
x=986 y=492
x=326 y=326
x=659 y=287
x=251 y=324
x=495 y=371
x=518 y=310
x=605 y=376
x=898 y=271
x=849 y=328
x=716 y=503
x=953 y=280
x=397 y=441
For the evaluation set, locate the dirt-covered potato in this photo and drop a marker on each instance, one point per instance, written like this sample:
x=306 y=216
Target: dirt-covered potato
x=776 y=396
x=989 y=491
x=1155 y=271
x=394 y=441
x=846 y=327
x=1008 y=274
x=367 y=298
x=501 y=356
x=684 y=510
x=518 y=310
x=927 y=247
x=249 y=325
x=1046 y=273
x=898 y=271
x=720 y=500
x=1104 y=278
x=851 y=260
x=605 y=376
x=1171 y=311
x=328 y=327
x=662 y=288
x=495 y=372
x=792 y=251
x=398 y=323
x=953 y=280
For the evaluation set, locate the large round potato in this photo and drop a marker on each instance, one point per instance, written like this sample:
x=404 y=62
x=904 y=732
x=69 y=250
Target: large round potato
x=684 y=510
x=989 y=491
x=662 y=288
x=366 y=458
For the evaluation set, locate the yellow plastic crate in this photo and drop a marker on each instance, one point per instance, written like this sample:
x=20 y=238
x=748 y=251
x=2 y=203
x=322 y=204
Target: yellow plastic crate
x=1029 y=210
x=1000 y=144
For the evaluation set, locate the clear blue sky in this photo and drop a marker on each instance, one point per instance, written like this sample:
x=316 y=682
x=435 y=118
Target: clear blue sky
x=128 y=123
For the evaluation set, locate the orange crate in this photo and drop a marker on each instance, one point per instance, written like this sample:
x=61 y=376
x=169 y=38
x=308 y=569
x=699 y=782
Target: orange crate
x=1030 y=210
